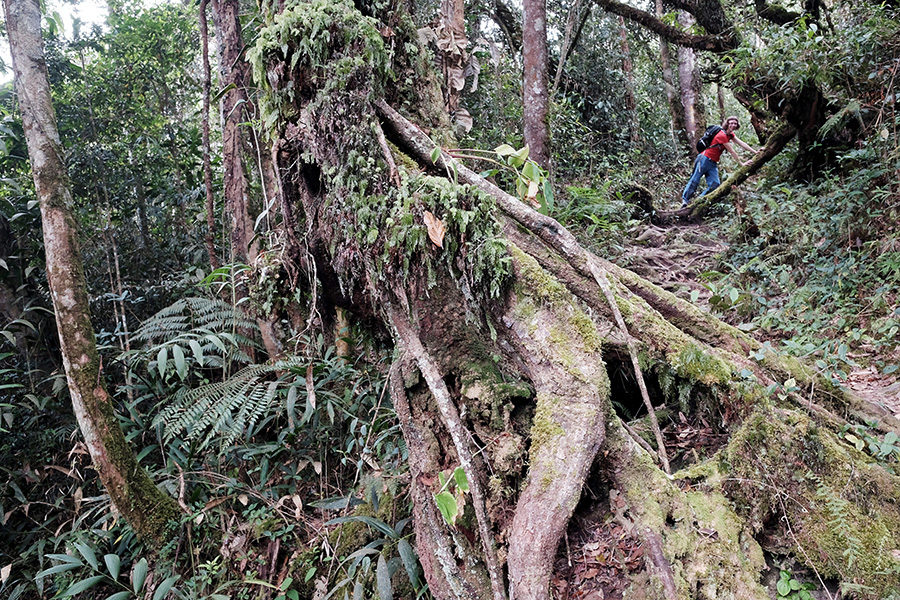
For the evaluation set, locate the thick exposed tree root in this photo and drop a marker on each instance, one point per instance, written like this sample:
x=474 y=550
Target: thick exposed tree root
x=697 y=545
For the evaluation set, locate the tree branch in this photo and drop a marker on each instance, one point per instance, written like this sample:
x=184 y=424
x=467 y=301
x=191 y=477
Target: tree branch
x=775 y=14
x=713 y=43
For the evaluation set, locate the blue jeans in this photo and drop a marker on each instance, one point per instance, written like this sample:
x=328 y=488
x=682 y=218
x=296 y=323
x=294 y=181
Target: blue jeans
x=703 y=167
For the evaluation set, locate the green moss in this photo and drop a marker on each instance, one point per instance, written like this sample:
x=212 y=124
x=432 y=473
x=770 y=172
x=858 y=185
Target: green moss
x=537 y=282
x=483 y=383
x=698 y=365
x=544 y=427
x=321 y=64
x=848 y=521
x=353 y=535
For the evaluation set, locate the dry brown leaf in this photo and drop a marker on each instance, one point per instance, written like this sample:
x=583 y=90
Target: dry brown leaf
x=436 y=229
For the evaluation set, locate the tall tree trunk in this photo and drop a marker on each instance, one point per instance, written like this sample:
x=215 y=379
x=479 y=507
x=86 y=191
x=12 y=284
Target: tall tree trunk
x=634 y=133
x=233 y=78
x=690 y=85
x=204 y=124
x=235 y=73
x=679 y=131
x=130 y=489
x=536 y=96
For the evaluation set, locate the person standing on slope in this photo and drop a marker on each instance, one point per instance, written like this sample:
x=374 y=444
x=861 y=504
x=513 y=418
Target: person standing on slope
x=707 y=162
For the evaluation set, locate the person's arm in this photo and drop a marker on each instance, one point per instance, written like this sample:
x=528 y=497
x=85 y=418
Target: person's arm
x=735 y=155
x=746 y=146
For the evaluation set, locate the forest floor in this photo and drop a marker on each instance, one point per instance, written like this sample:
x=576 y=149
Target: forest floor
x=600 y=557
x=676 y=258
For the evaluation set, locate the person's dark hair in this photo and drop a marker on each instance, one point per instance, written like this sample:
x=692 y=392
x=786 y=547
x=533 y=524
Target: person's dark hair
x=736 y=120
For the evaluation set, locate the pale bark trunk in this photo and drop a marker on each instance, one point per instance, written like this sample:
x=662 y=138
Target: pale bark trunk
x=130 y=489
x=628 y=72
x=204 y=124
x=536 y=97
x=690 y=84
x=578 y=16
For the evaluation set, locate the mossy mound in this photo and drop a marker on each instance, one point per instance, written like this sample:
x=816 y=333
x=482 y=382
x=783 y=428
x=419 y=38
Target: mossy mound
x=322 y=65
x=813 y=495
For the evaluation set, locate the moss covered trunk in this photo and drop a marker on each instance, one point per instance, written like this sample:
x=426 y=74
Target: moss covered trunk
x=503 y=336
x=131 y=490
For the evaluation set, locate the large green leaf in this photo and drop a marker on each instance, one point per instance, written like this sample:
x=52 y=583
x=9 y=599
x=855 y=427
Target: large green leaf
x=88 y=553
x=139 y=575
x=446 y=503
x=383 y=579
x=84 y=584
x=113 y=564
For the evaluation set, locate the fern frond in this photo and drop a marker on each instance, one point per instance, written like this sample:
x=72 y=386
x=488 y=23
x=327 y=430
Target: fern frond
x=224 y=410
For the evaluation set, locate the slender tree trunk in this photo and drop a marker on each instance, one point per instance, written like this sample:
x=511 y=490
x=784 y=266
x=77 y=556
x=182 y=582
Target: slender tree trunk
x=628 y=71
x=679 y=132
x=720 y=100
x=141 y=197
x=691 y=85
x=578 y=16
x=235 y=74
x=536 y=100
x=131 y=490
x=233 y=78
x=204 y=121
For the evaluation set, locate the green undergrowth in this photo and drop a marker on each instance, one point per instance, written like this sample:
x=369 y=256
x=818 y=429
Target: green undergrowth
x=823 y=270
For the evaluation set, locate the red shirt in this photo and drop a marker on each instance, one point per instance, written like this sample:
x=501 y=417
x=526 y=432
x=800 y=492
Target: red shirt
x=717 y=146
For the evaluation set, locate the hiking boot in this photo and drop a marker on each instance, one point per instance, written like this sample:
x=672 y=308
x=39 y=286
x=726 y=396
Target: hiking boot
x=684 y=203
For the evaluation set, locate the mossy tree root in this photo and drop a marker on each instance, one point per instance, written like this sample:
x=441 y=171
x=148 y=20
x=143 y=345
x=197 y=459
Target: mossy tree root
x=559 y=347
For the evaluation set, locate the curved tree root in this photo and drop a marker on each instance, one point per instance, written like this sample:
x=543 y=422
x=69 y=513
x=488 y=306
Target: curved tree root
x=445 y=577
x=543 y=324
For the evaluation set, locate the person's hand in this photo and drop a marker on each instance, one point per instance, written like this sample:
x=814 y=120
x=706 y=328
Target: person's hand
x=761 y=150
x=745 y=164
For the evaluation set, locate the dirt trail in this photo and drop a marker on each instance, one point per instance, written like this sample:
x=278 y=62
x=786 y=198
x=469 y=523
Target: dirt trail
x=676 y=257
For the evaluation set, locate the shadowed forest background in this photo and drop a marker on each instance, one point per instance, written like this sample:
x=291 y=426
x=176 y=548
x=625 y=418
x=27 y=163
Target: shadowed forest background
x=397 y=299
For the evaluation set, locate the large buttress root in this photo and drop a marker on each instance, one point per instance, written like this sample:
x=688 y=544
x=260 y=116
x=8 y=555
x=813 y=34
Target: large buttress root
x=560 y=348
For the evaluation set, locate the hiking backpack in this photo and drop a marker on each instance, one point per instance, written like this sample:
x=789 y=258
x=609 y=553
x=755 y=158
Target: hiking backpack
x=707 y=137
